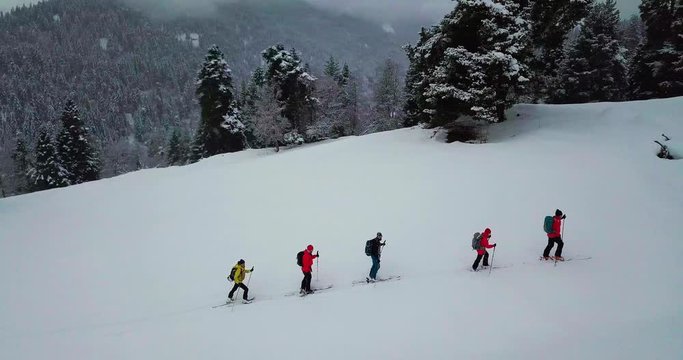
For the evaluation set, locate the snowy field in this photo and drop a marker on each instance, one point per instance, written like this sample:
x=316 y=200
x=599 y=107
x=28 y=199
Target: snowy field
x=129 y=267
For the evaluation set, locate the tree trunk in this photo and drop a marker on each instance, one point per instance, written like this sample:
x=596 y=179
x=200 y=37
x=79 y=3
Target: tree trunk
x=500 y=112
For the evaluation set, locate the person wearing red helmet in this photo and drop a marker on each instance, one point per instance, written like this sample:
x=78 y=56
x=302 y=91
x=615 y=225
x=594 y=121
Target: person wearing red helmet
x=307 y=269
x=481 y=251
x=555 y=237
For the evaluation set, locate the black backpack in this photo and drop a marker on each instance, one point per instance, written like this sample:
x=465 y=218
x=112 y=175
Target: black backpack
x=232 y=273
x=300 y=258
x=476 y=241
x=368 y=247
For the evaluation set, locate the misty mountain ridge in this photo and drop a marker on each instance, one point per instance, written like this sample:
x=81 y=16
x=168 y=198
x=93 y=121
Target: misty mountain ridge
x=132 y=70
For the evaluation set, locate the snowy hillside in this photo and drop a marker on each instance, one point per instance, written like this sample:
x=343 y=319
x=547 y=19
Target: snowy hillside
x=129 y=267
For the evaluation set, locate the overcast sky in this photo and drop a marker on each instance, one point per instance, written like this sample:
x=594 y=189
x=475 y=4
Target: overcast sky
x=382 y=10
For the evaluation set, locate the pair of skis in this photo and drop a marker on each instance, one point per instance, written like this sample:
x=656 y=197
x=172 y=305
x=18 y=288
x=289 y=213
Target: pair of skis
x=234 y=302
x=368 y=281
x=303 y=294
x=566 y=259
x=317 y=290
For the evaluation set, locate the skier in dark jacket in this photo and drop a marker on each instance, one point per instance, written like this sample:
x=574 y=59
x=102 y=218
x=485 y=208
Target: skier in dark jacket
x=375 y=253
x=481 y=252
x=555 y=237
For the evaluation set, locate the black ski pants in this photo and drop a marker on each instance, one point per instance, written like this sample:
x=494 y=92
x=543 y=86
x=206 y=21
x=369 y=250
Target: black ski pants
x=306 y=282
x=479 y=257
x=551 y=243
x=238 y=286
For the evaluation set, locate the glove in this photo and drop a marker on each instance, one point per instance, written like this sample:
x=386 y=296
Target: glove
x=564 y=217
x=317 y=253
x=494 y=245
x=252 y=269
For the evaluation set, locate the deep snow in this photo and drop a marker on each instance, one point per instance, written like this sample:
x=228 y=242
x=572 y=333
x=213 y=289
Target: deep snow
x=129 y=267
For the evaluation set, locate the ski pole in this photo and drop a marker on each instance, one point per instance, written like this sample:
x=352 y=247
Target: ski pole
x=492 y=256
x=317 y=269
x=561 y=236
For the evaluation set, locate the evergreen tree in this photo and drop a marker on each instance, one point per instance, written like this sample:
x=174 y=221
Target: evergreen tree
x=632 y=34
x=258 y=77
x=551 y=21
x=594 y=68
x=332 y=68
x=22 y=164
x=345 y=75
x=656 y=73
x=293 y=86
x=178 y=148
x=248 y=110
x=388 y=97
x=197 y=149
x=221 y=130
x=47 y=173
x=2 y=186
x=76 y=155
x=640 y=79
x=473 y=63
x=350 y=103
x=677 y=49
x=416 y=78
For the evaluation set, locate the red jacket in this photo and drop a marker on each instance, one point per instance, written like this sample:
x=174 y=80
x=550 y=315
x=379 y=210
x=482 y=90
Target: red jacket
x=308 y=261
x=557 y=228
x=484 y=242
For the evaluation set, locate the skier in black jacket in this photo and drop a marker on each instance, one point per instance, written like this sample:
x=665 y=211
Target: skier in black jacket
x=375 y=253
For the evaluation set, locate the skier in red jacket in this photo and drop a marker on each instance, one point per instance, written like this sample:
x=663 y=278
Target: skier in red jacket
x=555 y=237
x=481 y=252
x=307 y=269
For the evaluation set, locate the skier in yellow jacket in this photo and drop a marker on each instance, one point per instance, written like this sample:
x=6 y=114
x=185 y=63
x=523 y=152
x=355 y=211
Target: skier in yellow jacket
x=238 y=274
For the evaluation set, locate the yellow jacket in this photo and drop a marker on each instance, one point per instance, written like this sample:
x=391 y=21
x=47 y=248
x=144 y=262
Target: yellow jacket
x=240 y=273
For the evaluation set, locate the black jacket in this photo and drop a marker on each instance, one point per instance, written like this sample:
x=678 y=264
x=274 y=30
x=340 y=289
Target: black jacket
x=376 y=247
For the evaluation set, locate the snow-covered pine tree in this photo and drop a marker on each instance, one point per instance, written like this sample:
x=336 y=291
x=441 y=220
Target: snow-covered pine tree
x=221 y=129
x=47 y=173
x=178 y=148
x=332 y=68
x=632 y=34
x=416 y=77
x=22 y=163
x=388 y=97
x=656 y=73
x=258 y=77
x=293 y=86
x=677 y=50
x=640 y=80
x=551 y=21
x=197 y=149
x=471 y=64
x=350 y=102
x=594 y=68
x=76 y=156
x=345 y=75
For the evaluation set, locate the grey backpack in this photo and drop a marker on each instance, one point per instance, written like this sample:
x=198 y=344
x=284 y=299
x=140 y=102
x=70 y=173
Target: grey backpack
x=476 y=241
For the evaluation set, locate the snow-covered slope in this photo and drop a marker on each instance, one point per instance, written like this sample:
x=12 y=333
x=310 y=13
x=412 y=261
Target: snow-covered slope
x=128 y=268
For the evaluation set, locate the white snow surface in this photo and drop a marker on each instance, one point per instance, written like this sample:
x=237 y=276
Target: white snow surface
x=129 y=267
